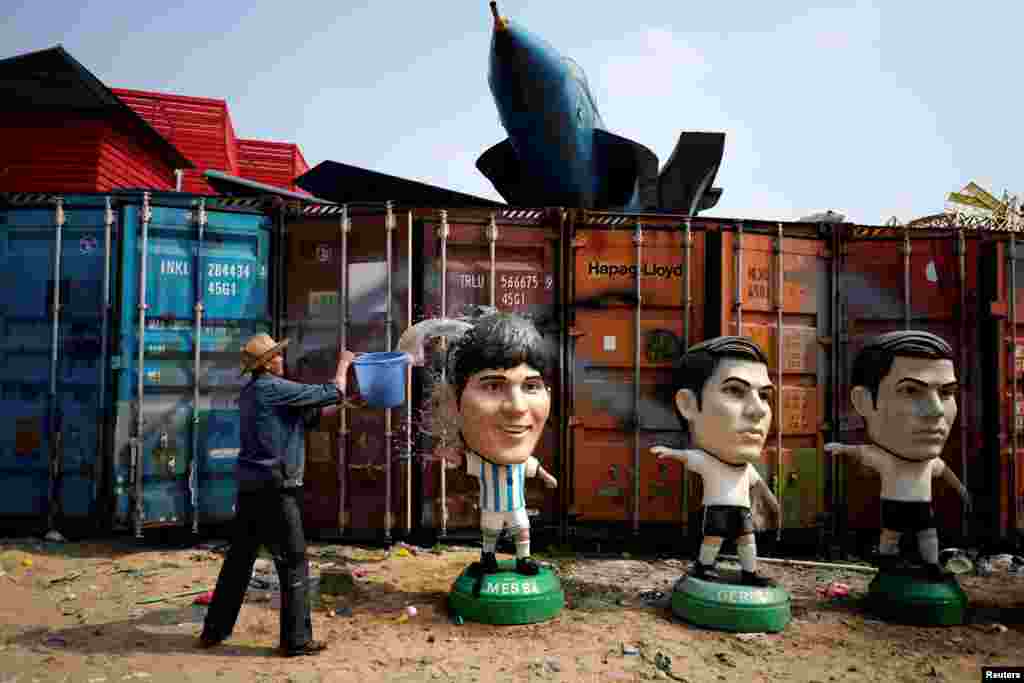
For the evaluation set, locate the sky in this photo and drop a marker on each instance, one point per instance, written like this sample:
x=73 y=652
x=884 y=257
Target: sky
x=874 y=110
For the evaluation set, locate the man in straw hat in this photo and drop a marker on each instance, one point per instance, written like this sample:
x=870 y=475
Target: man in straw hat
x=275 y=413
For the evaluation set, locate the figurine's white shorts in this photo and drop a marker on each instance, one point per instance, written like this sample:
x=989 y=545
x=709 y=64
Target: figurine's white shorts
x=495 y=521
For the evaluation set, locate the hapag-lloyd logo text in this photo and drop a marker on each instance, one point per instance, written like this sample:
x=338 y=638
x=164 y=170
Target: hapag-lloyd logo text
x=598 y=269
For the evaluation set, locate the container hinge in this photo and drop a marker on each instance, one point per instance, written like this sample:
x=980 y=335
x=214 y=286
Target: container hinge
x=578 y=242
x=844 y=338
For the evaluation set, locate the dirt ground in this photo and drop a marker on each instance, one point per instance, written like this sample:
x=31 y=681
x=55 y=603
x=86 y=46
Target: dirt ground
x=90 y=612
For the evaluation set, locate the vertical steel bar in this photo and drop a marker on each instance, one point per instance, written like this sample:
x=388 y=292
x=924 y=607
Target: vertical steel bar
x=1011 y=261
x=492 y=239
x=638 y=240
x=836 y=384
x=687 y=313
x=961 y=251
x=197 y=339
x=138 y=466
x=280 y=314
x=779 y=365
x=737 y=248
x=906 y=277
x=55 y=427
x=101 y=417
x=408 y=380
x=346 y=227
x=443 y=235
x=564 y=389
x=390 y=227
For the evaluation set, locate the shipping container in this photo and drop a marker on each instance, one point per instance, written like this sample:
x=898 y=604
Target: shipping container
x=93 y=441
x=361 y=480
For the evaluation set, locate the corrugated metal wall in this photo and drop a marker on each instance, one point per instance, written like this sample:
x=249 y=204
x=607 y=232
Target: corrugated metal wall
x=274 y=163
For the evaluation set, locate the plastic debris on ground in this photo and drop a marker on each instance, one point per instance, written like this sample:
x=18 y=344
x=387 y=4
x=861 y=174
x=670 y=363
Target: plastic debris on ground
x=54 y=536
x=630 y=651
x=833 y=590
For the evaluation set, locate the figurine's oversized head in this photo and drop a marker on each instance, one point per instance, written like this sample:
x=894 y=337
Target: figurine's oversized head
x=724 y=393
x=904 y=386
x=497 y=372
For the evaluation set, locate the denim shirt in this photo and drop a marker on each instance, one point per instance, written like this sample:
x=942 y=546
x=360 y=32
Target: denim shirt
x=275 y=413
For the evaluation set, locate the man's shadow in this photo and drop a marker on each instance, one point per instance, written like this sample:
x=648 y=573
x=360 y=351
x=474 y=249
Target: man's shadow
x=173 y=629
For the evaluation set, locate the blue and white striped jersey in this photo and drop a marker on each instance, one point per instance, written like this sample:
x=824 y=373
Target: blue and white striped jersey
x=502 y=487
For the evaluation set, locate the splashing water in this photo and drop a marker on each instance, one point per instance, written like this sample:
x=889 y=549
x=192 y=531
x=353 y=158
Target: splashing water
x=414 y=339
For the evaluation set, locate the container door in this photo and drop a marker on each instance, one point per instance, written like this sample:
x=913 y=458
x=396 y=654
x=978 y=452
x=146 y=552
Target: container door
x=26 y=318
x=524 y=279
x=783 y=282
x=606 y=429
x=189 y=451
x=884 y=288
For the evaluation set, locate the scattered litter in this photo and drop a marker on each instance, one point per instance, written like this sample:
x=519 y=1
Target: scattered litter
x=999 y=628
x=55 y=641
x=27 y=562
x=410 y=610
x=663 y=662
x=552 y=664
x=652 y=596
x=203 y=598
x=187 y=594
x=725 y=659
x=54 y=536
x=833 y=590
x=402 y=552
x=67 y=577
x=343 y=612
x=458 y=620
x=630 y=651
x=749 y=637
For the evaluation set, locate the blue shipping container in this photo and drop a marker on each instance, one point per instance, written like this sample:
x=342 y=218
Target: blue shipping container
x=203 y=283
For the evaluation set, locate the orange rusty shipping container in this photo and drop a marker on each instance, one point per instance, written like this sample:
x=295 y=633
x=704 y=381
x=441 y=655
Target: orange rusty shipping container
x=637 y=299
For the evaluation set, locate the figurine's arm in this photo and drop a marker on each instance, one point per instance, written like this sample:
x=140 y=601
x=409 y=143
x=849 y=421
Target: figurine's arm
x=534 y=469
x=856 y=452
x=952 y=480
x=683 y=456
x=765 y=491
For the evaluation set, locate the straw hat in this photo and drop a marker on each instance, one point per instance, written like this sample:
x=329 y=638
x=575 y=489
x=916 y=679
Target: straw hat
x=258 y=350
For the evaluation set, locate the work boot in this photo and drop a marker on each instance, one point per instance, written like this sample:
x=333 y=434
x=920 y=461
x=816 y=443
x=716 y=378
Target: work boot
x=526 y=566
x=206 y=640
x=312 y=647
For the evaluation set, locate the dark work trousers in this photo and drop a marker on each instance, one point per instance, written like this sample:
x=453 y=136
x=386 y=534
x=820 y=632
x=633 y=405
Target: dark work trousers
x=270 y=517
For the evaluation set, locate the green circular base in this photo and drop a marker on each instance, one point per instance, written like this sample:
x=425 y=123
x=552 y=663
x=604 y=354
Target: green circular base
x=731 y=606
x=909 y=599
x=507 y=597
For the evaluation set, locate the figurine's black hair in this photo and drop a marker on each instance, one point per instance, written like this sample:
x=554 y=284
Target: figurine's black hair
x=700 y=361
x=875 y=360
x=501 y=341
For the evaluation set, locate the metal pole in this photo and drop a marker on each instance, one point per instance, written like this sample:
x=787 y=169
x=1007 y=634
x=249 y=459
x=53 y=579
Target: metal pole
x=737 y=248
x=442 y=233
x=55 y=428
x=1011 y=260
x=564 y=388
x=138 y=466
x=197 y=339
x=836 y=384
x=408 y=381
x=638 y=240
x=108 y=227
x=961 y=249
x=280 y=312
x=492 y=238
x=687 y=312
x=390 y=227
x=779 y=392
x=346 y=227
x=906 y=277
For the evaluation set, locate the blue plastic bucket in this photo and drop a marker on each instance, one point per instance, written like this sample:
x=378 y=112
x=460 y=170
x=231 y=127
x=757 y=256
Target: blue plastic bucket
x=381 y=378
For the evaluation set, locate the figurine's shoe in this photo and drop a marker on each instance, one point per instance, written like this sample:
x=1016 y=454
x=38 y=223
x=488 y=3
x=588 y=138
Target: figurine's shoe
x=526 y=566
x=755 y=579
x=704 y=572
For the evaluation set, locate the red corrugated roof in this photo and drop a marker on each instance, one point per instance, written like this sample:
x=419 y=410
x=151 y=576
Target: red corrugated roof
x=199 y=126
x=273 y=163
